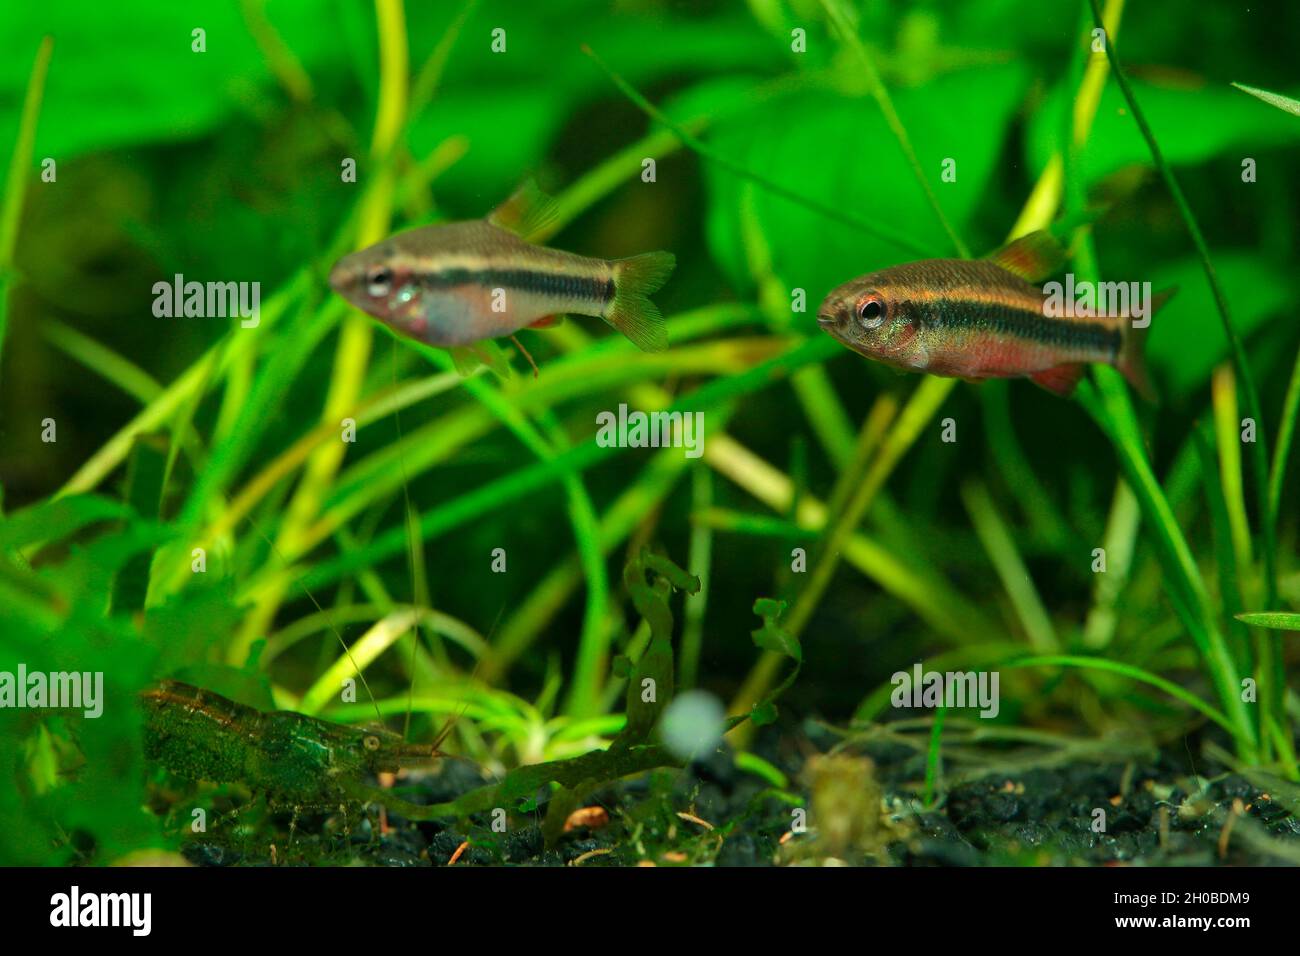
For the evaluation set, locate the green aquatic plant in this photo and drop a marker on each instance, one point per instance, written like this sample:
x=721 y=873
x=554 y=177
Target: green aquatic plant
x=202 y=514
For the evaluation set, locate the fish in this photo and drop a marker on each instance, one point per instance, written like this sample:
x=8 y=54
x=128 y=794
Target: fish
x=456 y=285
x=987 y=318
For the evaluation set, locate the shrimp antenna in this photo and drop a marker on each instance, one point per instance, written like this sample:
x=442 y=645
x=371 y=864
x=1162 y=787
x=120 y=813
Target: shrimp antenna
x=413 y=542
x=323 y=613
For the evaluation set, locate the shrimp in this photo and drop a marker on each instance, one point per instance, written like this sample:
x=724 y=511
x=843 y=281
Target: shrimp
x=296 y=760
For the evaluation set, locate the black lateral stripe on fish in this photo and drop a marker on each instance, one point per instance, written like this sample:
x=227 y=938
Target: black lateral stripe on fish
x=984 y=318
x=543 y=283
x=455 y=285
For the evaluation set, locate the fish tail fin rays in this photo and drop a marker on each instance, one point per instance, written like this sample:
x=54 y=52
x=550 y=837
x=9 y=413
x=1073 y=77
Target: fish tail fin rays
x=1060 y=380
x=632 y=312
x=1033 y=256
x=1132 y=362
x=528 y=213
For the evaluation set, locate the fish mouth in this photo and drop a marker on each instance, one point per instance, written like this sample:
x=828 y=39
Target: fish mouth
x=338 y=279
x=826 y=321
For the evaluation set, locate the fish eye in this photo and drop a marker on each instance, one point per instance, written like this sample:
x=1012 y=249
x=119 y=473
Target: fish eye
x=371 y=742
x=379 y=281
x=871 y=312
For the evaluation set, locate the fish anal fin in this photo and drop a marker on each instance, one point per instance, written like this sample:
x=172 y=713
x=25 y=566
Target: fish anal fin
x=468 y=359
x=1033 y=257
x=464 y=360
x=1060 y=380
x=546 y=322
x=527 y=213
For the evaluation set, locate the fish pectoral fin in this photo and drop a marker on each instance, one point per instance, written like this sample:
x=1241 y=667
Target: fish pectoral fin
x=527 y=212
x=546 y=322
x=1060 y=380
x=1033 y=257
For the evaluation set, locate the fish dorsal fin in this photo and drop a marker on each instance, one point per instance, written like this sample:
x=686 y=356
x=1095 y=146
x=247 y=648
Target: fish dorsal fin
x=1033 y=257
x=527 y=212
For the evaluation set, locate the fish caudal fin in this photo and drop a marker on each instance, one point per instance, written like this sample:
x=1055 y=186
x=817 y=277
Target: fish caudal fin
x=632 y=312
x=1061 y=380
x=1131 y=361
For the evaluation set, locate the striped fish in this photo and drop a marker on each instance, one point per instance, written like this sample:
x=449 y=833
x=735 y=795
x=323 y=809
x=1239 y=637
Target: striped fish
x=458 y=284
x=984 y=318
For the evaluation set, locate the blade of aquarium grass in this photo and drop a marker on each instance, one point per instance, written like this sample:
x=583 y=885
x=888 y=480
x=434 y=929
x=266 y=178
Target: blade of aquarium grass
x=1111 y=408
x=1120 y=539
x=835 y=9
x=1035 y=504
x=1277 y=620
x=99 y=358
x=160 y=411
x=374 y=409
x=612 y=174
x=544 y=602
x=356 y=334
x=933 y=756
x=20 y=162
x=1001 y=548
x=984 y=654
x=531 y=478
x=822 y=408
x=1129 y=671
x=515 y=420
x=760 y=526
x=1285 y=435
x=374 y=476
x=592 y=663
x=928 y=396
x=1272 y=99
x=1229 y=570
x=926 y=399
x=1240 y=361
x=1227 y=429
x=425 y=86
x=701 y=149
x=700 y=561
x=596 y=369
x=1087 y=76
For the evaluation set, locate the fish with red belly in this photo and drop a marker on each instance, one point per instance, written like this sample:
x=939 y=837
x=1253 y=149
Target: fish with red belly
x=987 y=318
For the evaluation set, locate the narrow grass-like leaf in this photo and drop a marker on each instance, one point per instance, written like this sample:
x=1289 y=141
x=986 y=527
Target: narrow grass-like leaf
x=1285 y=103
x=1285 y=435
x=1130 y=671
x=1277 y=620
x=1240 y=360
x=20 y=161
x=835 y=9
x=1001 y=548
x=697 y=146
x=933 y=755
